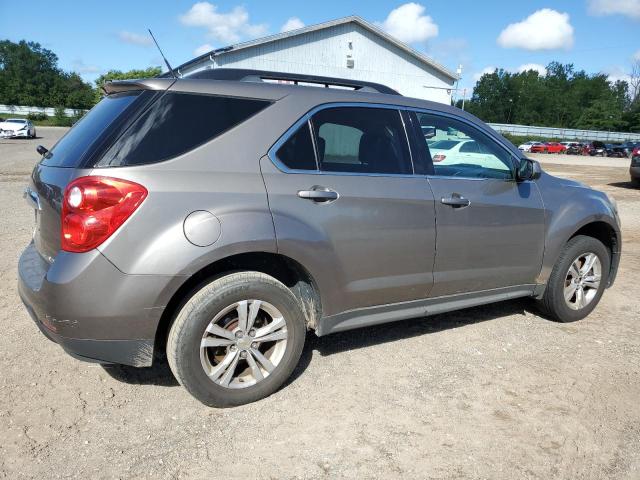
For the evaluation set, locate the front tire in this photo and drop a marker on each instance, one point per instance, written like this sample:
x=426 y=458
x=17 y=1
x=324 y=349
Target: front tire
x=237 y=339
x=577 y=280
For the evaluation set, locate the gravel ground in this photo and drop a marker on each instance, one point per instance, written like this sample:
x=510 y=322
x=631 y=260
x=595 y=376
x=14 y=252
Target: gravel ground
x=493 y=392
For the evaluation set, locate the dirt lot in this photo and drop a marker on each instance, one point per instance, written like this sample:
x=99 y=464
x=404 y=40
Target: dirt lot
x=494 y=392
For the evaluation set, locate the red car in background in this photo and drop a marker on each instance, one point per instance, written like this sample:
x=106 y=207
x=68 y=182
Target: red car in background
x=556 y=148
x=549 y=147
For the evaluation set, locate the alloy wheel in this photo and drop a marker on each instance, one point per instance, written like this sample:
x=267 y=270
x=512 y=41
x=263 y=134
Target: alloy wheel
x=582 y=281
x=243 y=344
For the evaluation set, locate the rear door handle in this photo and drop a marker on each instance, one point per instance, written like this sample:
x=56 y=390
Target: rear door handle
x=319 y=194
x=456 y=201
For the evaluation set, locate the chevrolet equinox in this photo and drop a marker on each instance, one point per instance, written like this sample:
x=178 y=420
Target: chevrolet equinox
x=216 y=218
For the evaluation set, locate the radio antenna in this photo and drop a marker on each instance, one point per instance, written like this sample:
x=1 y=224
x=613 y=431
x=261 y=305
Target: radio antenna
x=173 y=74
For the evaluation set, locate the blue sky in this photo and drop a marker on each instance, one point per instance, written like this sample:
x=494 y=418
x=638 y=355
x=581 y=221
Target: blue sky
x=91 y=37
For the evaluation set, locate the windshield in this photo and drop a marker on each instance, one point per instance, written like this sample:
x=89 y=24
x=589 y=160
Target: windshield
x=15 y=120
x=93 y=129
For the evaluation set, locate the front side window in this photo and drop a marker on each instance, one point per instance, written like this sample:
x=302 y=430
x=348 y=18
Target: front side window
x=459 y=150
x=361 y=140
x=177 y=123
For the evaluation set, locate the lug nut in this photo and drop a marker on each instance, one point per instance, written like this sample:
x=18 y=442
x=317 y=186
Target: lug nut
x=254 y=345
x=239 y=334
x=233 y=348
x=252 y=333
x=243 y=354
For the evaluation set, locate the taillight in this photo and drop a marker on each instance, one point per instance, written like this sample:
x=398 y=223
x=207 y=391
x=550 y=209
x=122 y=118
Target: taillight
x=439 y=157
x=95 y=207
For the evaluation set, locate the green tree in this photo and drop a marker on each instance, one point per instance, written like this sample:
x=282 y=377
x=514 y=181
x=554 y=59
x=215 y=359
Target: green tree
x=29 y=75
x=120 y=75
x=564 y=97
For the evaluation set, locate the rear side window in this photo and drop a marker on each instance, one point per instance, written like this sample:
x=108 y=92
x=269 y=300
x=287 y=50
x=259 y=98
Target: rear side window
x=177 y=123
x=76 y=145
x=361 y=140
x=297 y=152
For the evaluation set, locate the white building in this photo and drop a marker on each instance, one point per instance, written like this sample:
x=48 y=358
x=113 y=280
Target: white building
x=346 y=48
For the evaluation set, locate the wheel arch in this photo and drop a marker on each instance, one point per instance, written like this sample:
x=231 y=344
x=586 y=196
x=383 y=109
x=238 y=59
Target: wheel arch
x=610 y=238
x=288 y=271
x=601 y=228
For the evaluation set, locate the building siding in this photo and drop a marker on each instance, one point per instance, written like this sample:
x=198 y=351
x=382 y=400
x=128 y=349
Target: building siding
x=324 y=52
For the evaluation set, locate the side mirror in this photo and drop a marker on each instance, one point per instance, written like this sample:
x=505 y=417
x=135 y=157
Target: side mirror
x=41 y=150
x=529 y=170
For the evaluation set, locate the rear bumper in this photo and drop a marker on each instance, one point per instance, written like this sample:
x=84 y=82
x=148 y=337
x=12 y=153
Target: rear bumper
x=91 y=309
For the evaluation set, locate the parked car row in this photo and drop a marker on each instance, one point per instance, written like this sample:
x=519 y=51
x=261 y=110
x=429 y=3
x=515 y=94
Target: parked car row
x=16 y=128
x=593 y=149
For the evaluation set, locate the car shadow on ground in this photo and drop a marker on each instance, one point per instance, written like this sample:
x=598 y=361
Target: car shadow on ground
x=629 y=185
x=400 y=330
x=160 y=373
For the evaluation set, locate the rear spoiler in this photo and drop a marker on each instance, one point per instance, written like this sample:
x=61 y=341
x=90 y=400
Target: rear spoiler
x=116 y=86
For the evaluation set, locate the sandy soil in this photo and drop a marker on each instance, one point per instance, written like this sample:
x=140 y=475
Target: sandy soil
x=495 y=392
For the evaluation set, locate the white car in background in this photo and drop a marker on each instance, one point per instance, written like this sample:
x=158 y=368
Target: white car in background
x=463 y=152
x=17 y=127
x=526 y=147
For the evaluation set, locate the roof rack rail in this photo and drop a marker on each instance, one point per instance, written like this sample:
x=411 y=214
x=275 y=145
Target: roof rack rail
x=245 y=75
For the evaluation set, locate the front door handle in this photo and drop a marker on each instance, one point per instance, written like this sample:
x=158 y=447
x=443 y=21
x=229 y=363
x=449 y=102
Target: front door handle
x=456 y=201
x=318 y=194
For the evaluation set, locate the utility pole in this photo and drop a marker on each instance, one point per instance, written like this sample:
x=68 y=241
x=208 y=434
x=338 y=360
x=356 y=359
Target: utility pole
x=459 y=73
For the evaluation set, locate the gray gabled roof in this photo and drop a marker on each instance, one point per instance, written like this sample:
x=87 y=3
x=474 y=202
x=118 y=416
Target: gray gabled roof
x=320 y=26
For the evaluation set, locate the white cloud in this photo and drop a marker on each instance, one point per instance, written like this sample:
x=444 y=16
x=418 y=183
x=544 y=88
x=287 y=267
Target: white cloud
x=228 y=27
x=81 y=67
x=134 y=38
x=202 y=49
x=630 y=8
x=486 y=70
x=293 y=23
x=617 y=73
x=409 y=24
x=542 y=71
x=545 y=29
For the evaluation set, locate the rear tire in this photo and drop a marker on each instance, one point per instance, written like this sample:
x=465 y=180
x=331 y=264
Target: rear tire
x=213 y=315
x=562 y=281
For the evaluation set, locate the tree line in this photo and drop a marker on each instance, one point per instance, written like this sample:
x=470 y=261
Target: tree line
x=564 y=97
x=30 y=76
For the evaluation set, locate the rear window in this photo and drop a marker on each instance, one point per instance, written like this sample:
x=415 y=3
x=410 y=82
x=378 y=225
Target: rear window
x=177 y=123
x=73 y=149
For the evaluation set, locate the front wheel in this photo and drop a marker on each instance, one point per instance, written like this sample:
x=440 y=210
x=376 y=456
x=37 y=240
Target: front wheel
x=237 y=339
x=577 y=280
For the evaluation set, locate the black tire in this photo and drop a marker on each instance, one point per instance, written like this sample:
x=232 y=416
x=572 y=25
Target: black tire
x=553 y=302
x=183 y=343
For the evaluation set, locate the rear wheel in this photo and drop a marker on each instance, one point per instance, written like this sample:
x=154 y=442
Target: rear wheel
x=577 y=280
x=237 y=339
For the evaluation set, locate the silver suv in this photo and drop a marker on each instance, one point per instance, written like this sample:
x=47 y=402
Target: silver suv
x=219 y=220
